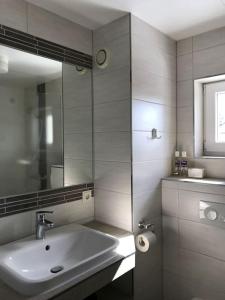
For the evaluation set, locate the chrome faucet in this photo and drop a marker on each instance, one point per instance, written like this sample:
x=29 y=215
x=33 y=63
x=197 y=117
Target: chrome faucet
x=42 y=224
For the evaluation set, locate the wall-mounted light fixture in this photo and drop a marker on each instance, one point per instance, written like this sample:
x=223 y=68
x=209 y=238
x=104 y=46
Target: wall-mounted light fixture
x=102 y=58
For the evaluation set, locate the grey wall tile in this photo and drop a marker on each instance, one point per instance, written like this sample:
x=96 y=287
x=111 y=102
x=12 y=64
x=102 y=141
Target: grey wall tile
x=170 y=233
x=209 y=62
x=119 y=52
x=48 y=26
x=201 y=268
x=112 y=146
x=147 y=175
x=147 y=206
x=169 y=202
x=185 y=93
x=112 y=31
x=146 y=116
x=185 y=119
x=113 y=176
x=113 y=208
x=78 y=146
x=112 y=116
x=13 y=13
x=187 y=289
x=113 y=86
x=159 y=62
x=184 y=46
x=153 y=88
x=209 y=39
x=202 y=238
x=147 y=149
x=77 y=171
x=77 y=119
x=152 y=36
x=185 y=142
x=189 y=205
x=184 y=67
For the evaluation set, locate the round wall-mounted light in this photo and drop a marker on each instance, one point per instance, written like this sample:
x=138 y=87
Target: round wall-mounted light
x=102 y=58
x=81 y=70
x=4 y=65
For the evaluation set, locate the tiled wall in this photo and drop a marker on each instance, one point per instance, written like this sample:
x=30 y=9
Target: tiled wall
x=28 y=18
x=198 y=56
x=193 y=261
x=112 y=133
x=78 y=144
x=153 y=106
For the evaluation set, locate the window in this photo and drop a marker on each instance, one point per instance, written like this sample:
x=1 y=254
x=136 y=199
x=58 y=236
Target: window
x=214 y=118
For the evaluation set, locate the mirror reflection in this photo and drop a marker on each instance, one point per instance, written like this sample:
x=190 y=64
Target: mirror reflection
x=45 y=123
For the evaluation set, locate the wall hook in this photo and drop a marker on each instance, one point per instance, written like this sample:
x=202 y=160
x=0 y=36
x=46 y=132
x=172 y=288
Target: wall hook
x=155 y=134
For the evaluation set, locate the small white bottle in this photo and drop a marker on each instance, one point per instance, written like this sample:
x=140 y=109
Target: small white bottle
x=176 y=164
x=184 y=164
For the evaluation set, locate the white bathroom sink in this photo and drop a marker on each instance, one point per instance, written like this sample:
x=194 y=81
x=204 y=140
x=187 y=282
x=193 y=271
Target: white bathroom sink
x=31 y=266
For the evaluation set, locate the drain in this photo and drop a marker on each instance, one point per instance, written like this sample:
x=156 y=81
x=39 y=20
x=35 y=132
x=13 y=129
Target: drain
x=56 y=269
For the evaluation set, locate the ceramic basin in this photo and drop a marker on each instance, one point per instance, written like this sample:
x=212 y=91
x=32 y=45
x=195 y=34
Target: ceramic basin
x=31 y=266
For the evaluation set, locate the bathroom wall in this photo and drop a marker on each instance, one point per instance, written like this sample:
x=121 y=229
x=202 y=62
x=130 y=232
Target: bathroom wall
x=112 y=130
x=198 y=56
x=194 y=260
x=13 y=139
x=153 y=106
x=77 y=103
x=20 y=15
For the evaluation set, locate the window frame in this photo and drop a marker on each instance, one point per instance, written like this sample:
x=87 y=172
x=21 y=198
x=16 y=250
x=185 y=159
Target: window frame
x=210 y=146
x=198 y=118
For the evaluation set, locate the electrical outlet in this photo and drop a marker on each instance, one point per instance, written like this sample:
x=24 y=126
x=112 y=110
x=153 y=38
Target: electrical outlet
x=86 y=195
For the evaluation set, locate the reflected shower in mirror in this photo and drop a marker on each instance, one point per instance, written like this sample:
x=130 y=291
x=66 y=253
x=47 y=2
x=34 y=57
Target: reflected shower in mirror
x=38 y=149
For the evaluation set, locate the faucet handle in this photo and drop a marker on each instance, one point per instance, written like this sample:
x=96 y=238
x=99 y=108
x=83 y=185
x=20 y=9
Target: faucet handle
x=41 y=214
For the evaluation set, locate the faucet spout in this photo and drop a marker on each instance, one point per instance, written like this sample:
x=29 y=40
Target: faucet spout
x=42 y=224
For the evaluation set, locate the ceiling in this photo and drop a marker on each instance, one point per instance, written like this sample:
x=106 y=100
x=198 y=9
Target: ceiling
x=177 y=18
x=27 y=69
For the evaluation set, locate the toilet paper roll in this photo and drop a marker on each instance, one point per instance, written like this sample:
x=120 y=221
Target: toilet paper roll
x=145 y=240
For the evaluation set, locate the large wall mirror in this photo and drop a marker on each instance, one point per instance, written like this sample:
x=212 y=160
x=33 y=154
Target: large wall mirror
x=45 y=123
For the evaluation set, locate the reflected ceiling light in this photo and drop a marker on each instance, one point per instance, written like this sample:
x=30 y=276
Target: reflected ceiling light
x=4 y=65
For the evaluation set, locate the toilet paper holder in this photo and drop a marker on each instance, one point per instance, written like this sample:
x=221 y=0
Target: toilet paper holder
x=143 y=225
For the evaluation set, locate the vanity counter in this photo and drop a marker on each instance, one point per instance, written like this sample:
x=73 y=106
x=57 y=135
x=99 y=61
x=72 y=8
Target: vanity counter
x=122 y=262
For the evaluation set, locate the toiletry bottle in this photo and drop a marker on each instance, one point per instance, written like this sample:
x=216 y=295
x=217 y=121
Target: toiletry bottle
x=184 y=164
x=176 y=164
